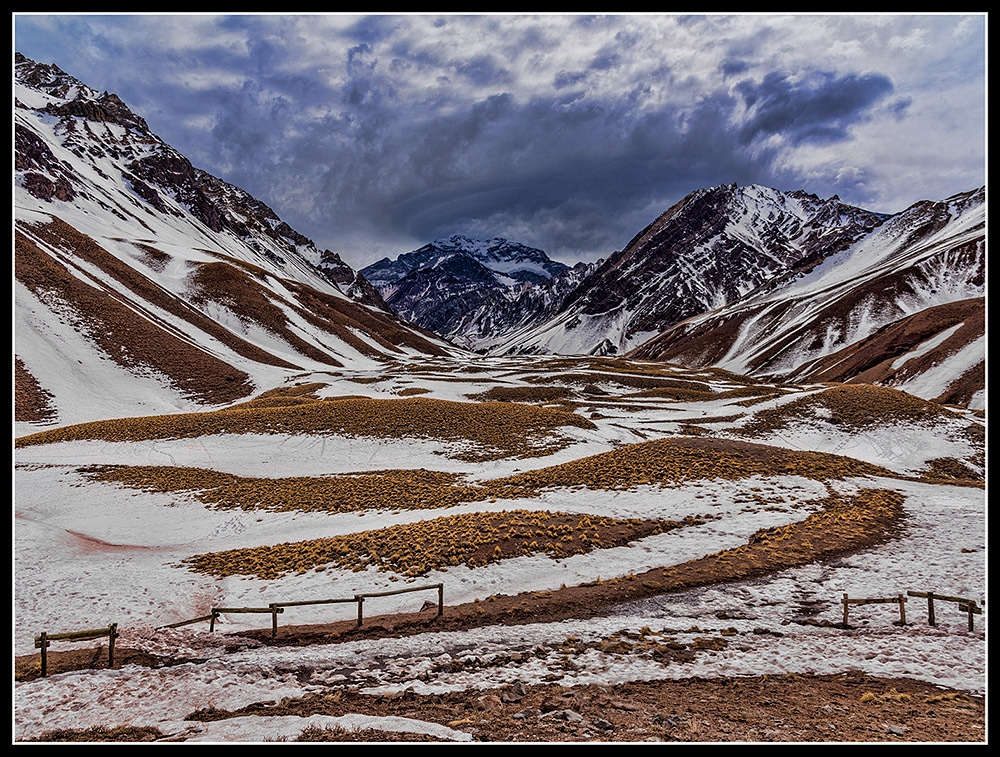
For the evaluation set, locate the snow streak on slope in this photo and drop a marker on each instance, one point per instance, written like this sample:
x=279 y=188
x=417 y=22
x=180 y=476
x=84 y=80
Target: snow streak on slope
x=178 y=281
x=714 y=247
x=855 y=315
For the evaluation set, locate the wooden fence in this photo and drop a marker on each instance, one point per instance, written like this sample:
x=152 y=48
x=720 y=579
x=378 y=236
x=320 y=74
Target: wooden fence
x=274 y=609
x=969 y=606
x=43 y=640
x=897 y=600
x=964 y=605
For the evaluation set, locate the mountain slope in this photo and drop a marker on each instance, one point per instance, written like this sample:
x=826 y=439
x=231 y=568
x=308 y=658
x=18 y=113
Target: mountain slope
x=714 y=247
x=904 y=306
x=136 y=270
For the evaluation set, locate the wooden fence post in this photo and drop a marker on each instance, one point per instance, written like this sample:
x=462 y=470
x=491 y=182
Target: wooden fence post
x=440 y=600
x=43 y=641
x=274 y=619
x=845 y=608
x=971 y=608
x=930 y=609
x=361 y=601
x=112 y=635
x=902 y=610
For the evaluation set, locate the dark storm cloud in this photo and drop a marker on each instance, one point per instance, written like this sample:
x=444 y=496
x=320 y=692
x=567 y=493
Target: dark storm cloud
x=570 y=133
x=733 y=67
x=568 y=168
x=821 y=106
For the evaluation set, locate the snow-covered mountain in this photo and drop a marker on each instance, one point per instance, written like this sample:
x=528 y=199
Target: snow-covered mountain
x=712 y=248
x=138 y=271
x=466 y=289
x=904 y=306
x=181 y=290
x=787 y=286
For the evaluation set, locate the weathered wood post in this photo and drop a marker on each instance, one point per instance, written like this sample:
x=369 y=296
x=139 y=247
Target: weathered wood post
x=43 y=642
x=361 y=601
x=971 y=608
x=274 y=619
x=930 y=609
x=902 y=610
x=211 y=623
x=112 y=635
x=846 y=604
x=440 y=600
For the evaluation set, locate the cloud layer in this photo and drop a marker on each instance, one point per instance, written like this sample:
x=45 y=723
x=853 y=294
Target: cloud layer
x=375 y=134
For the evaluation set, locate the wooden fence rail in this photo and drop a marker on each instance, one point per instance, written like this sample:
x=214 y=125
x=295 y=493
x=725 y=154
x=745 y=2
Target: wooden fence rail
x=897 y=600
x=964 y=605
x=277 y=608
x=43 y=640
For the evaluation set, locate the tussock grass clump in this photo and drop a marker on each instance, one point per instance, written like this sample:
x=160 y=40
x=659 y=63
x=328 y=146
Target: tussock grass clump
x=492 y=430
x=891 y=695
x=677 y=460
x=852 y=407
x=677 y=394
x=414 y=549
x=413 y=391
x=523 y=394
x=378 y=490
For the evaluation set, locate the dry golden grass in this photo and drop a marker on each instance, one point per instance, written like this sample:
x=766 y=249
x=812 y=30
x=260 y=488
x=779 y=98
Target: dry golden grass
x=677 y=394
x=413 y=549
x=665 y=462
x=378 y=490
x=523 y=394
x=491 y=430
x=852 y=407
x=677 y=460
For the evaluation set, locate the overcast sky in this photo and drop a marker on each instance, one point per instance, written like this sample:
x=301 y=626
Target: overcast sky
x=373 y=135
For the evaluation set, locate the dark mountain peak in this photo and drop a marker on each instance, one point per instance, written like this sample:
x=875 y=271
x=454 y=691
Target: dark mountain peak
x=448 y=282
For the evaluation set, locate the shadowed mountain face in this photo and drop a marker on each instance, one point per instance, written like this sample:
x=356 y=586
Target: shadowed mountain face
x=134 y=267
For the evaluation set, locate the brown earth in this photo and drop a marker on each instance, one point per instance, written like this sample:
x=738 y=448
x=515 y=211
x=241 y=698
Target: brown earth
x=849 y=707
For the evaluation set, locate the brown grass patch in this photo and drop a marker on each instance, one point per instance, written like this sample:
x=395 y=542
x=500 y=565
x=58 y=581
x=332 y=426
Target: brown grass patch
x=852 y=407
x=32 y=403
x=100 y=733
x=523 y=394
x=677 y=460
x=354 y=492
x=414 y=549
x=490 y=430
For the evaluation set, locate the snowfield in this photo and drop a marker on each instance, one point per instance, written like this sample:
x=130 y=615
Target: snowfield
x=88 y=554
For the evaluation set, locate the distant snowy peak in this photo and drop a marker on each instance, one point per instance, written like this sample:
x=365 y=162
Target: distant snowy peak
x=510 y=261
x=450 y=282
